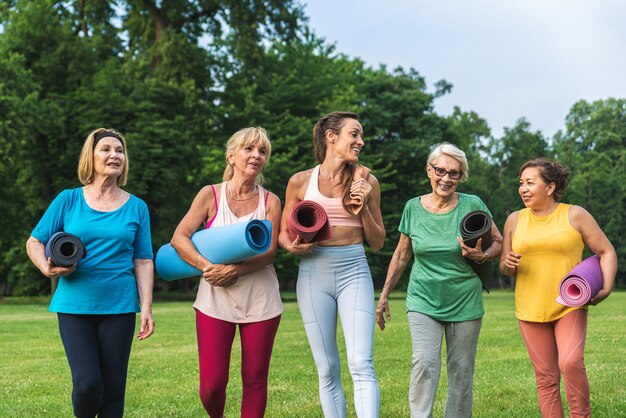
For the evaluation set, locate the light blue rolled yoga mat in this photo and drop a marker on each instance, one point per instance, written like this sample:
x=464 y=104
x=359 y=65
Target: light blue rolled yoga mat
x=226 y=244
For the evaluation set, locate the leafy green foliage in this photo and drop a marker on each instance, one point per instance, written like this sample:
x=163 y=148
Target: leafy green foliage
x=179 y=77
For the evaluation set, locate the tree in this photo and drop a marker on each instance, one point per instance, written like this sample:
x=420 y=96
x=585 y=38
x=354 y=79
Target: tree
x=593 y=146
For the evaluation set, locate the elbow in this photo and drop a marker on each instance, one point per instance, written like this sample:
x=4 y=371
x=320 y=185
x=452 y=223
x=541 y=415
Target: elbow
x=175 y=241
x=377 y=245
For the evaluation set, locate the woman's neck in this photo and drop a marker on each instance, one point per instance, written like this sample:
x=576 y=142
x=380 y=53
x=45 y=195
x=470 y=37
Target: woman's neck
x=331 y=170
x=442 y=202
x=241 y=188
x=103 y=187
x=545 y=209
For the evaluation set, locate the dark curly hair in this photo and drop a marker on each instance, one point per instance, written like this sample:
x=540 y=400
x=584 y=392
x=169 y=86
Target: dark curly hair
x=550 y=172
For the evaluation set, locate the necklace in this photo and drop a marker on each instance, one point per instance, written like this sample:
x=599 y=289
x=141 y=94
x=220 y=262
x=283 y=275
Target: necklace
x=230 y=191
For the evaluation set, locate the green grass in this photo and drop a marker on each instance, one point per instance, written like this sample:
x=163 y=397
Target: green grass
x=163 y=377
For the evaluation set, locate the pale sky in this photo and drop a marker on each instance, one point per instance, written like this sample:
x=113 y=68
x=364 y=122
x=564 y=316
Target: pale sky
x=506 y=59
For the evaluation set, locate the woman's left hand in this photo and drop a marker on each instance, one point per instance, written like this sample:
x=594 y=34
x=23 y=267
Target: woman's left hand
x=361 y=187
x=600 y=296
x=473 y=253
x=220 y=275
x=147 y=324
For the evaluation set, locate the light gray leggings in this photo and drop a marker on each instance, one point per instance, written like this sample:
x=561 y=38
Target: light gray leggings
x=335 y=280
x=461 y=341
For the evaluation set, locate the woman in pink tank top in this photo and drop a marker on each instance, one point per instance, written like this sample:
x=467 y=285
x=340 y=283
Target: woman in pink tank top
x=243 y=295
x=334 y=278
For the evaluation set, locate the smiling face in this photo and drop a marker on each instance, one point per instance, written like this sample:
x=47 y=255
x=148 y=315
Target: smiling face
x=250 y=159
x=348 y=143
x=534 y=190
x=444 y=186
x=109 y=158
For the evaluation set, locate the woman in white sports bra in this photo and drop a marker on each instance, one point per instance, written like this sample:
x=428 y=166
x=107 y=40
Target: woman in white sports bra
x=334 y=277
x=243 y=295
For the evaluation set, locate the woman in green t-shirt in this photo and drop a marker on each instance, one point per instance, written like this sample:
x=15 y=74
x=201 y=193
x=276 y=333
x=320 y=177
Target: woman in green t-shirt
x=444 y=294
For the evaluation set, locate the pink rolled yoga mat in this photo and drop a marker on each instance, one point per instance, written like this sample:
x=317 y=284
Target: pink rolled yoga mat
x=581 y=284
x=309 y=220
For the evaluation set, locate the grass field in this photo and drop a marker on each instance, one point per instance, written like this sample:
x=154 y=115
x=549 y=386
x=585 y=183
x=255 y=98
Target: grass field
x=163 y=379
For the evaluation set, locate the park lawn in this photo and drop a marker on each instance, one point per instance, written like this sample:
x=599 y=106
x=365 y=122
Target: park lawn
x=163 y=378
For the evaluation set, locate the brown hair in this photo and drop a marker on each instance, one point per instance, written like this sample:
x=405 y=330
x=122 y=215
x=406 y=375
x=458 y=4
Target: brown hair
x=334 y=121
x=550 y=172
x=85 y=162
x=241 y=139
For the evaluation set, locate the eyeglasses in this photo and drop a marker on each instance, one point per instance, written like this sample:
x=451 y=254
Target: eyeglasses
x=441 y=172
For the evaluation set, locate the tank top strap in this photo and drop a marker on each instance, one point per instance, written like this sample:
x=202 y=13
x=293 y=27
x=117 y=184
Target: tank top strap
x=313 y=187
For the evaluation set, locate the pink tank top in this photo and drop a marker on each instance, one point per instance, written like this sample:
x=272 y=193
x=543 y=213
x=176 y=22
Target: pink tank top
x=255 y=296
x=337 y=214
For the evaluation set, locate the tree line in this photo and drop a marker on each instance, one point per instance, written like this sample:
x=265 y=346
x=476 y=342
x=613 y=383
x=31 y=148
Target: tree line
x=179 y=77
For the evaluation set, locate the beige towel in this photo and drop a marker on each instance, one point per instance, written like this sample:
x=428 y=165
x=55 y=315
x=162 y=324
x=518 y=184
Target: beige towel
x=356 y=200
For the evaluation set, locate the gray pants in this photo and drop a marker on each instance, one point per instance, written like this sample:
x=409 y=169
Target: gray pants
x=461 y=341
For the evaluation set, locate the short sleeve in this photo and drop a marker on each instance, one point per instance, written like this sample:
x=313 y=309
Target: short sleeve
x=406 y=220
x=143 y=241
x=478 y=204
x=52 y=220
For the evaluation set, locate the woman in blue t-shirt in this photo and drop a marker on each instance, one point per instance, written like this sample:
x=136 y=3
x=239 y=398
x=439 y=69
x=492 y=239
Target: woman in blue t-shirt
x=97 y=298
x=444 y=294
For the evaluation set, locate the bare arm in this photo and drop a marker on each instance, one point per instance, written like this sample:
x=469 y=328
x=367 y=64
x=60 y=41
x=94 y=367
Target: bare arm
x=595 y=239
x=509 y=261
x=371 y=217
x=144 y=276
x=37 y=254
x=401 y=257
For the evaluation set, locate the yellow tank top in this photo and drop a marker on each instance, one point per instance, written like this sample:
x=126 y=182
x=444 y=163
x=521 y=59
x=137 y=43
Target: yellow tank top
x=550 y=248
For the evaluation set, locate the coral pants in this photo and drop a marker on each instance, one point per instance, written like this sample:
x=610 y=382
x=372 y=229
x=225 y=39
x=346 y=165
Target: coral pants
x=556 y=348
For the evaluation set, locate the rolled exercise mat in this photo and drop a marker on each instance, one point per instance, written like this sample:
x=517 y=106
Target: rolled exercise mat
x=581 y=284
x=64 y=249
x=225 y=244
x=475 y=225
x=309 y=220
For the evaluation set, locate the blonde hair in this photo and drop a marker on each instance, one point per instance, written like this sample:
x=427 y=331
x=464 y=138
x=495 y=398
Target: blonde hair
x=241 y=139
x=85 y=162
x=452 y=151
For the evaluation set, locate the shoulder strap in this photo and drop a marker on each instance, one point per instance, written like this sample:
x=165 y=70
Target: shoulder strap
x=210 y=221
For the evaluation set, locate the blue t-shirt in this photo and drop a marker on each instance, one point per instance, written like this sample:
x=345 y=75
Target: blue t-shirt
x=442 y=283
x=104 y=281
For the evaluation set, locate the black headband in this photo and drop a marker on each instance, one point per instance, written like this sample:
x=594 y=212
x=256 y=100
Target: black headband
x=97 y=137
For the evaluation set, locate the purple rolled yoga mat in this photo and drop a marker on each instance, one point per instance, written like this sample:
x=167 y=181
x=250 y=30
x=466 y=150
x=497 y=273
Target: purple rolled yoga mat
x=581 y=284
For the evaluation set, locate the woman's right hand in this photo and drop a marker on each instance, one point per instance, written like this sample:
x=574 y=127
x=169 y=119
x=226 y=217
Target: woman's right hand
x=298 y=247
x=382 y=312
x=53 y=271
x=220 y=275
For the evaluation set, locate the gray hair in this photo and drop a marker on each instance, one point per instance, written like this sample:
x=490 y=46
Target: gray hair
x=452 y=151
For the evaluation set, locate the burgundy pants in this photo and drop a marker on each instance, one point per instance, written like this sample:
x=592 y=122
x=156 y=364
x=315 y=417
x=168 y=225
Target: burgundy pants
x=555 y=349
x=215 y=340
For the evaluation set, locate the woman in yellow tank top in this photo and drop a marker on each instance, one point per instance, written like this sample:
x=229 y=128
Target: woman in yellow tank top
x=542 y=243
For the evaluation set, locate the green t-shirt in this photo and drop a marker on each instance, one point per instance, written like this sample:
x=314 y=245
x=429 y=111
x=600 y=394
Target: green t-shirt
x=442 y=284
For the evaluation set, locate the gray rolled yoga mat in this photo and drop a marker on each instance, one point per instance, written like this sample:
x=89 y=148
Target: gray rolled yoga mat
x=475 y=225
x=64 y=249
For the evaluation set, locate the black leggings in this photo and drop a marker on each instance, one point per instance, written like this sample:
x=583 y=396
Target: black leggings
x=97 y=349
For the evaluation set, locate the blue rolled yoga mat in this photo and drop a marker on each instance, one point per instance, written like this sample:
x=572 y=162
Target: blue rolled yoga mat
x=64 y=249
x=226 y=244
